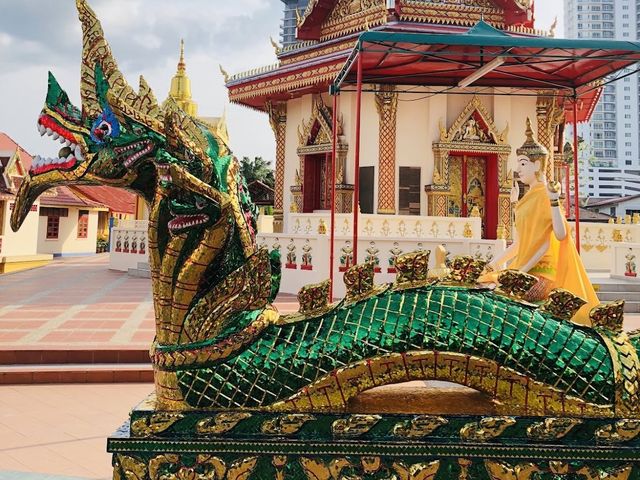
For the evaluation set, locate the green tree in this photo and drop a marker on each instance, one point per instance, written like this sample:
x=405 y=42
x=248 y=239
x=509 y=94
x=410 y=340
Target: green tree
x=257 y=169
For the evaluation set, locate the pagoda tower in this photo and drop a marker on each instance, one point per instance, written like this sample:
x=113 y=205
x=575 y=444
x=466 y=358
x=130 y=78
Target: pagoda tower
x=180 y=89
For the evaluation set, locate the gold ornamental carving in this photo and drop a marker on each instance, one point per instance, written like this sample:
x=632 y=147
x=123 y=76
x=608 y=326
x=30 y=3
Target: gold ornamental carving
x=387 y=106
x=278 y=122
x=473 y=132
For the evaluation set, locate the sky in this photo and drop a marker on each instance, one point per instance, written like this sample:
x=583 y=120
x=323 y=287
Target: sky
x=37 y=36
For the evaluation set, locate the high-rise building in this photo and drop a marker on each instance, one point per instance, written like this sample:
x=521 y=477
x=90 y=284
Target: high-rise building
x=292 y=8
x=613 y=133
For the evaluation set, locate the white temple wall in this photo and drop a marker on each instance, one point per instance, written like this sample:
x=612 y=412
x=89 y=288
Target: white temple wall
x=418 y=126
x=415 y=130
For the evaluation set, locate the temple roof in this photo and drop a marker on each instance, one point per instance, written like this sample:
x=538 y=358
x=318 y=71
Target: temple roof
x=67 y=197
x=118 y=200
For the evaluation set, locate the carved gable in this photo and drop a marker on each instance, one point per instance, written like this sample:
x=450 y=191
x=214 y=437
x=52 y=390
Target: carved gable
x=318 y=130
x=473 y=125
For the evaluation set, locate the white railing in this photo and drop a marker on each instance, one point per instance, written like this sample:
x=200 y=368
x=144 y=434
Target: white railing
x=305 y=258
x=597 y=242
x=387 y=226
x=129 y=245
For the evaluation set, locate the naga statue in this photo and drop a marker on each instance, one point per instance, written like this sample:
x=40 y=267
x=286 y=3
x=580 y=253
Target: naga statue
x=244 y=392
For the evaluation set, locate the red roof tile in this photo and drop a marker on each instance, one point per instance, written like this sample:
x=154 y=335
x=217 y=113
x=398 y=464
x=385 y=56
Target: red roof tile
x=8 y=144
x=118 y=201
x=66 y=196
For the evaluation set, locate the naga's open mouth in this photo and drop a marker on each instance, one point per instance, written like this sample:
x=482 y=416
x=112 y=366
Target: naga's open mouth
x=130 y=154
x=69 y=154
x=181 y=222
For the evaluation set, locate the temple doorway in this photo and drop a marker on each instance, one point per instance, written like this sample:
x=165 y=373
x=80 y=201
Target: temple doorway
x=314 y=188
x=473 y=185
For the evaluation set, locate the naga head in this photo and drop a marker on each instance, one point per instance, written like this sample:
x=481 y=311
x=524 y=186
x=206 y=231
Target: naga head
x=111 y=141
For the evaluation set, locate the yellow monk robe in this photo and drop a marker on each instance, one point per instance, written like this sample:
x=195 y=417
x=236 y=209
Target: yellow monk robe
x=561 y=264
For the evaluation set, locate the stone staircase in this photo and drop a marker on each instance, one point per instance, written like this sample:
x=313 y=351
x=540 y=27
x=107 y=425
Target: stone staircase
x=610 y=289
x=141 y=271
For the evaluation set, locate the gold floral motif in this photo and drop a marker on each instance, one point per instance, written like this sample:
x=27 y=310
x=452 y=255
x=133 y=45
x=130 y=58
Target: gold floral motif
x=552 y=428
x=486 y=429
x=500 y=470
x=207 y=467
x=417 y=471
x=354 y=426
x=419 y=426
x=156 y=423
x=467 y=233
x=622 y=431
x=316 y=469
x=286 y=424
x=128 y=468
x=221 y=423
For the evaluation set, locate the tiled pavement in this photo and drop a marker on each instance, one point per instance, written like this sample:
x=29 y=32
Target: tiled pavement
x=80 y=303
x=61 y=430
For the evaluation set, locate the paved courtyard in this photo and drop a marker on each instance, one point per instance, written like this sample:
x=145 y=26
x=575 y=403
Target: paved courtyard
x=80 y=303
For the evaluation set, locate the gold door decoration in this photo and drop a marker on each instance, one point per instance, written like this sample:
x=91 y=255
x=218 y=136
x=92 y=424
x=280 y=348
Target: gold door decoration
x=316 y=136
x=476 y=185
x=473 y=134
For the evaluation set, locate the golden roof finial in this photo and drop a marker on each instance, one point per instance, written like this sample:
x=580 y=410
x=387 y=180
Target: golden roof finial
x=181 y=65
x=224 y=73
x=275 y=45
x=552 y=28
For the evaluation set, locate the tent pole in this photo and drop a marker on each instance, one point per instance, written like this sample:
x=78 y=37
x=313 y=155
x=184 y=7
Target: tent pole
x=567 y=188
x=576 y=205
x=334 y=149
x=356 y=189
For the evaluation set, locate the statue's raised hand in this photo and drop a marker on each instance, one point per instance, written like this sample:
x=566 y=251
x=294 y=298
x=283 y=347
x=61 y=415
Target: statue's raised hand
x=553 y=191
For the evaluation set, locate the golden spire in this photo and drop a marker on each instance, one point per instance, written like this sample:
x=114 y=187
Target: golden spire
x=181 y=86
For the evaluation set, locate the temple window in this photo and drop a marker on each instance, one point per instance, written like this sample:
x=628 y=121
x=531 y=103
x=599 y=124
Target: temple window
x=366 y=189
x=83 y=223
x=409 y=191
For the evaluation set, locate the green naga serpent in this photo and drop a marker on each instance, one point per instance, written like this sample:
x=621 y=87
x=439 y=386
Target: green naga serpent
x=220 y=343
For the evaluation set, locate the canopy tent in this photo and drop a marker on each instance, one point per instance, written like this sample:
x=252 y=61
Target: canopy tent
x=502 y=63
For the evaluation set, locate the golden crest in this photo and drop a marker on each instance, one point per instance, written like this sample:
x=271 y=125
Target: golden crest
x=515 y=284
x=562 y=304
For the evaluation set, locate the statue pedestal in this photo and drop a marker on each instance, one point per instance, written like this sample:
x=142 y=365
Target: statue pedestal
x=244 y=444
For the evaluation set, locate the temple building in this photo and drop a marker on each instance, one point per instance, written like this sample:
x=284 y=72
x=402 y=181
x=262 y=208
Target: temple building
x=409 y=140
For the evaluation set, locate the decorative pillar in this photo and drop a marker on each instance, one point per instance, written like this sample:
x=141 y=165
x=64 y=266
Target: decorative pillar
x=549 y=115
x=278 y=121
x=387 y=105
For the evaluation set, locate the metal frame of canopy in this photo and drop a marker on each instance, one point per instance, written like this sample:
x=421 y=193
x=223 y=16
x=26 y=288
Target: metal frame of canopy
x=484 y=57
